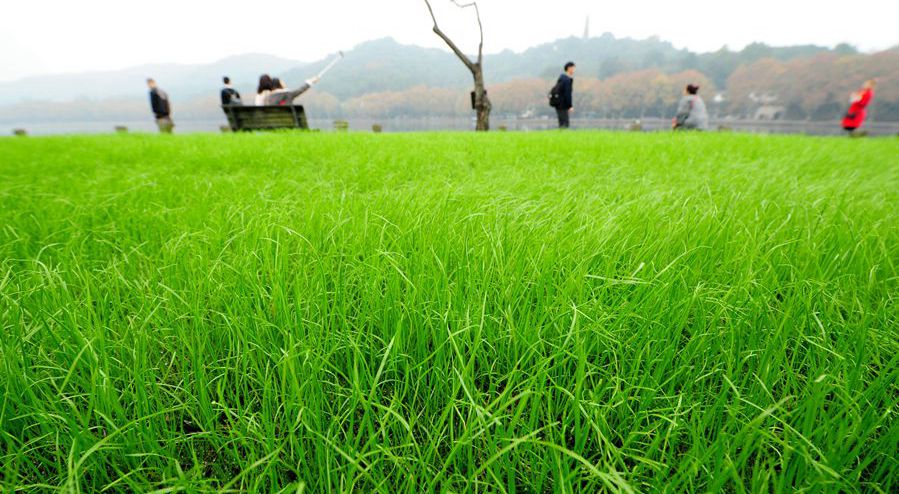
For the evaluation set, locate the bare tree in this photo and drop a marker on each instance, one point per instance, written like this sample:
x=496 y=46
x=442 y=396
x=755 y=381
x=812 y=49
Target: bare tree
x=481 y=102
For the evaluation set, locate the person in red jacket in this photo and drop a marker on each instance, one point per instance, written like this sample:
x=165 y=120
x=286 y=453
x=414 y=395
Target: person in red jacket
x=858 y=109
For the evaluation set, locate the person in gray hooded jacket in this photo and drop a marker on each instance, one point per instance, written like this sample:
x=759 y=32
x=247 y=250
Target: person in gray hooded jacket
x=691 y=111
x=280 y=95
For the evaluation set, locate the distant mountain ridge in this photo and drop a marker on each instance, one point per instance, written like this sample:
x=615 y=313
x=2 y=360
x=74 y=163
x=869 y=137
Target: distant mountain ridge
x=385 y=65
x=181 y=80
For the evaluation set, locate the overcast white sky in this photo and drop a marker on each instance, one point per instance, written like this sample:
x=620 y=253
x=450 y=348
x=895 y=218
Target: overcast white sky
x=52 y=36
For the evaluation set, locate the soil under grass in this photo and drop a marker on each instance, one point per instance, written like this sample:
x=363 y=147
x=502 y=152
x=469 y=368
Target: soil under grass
x=580 y=312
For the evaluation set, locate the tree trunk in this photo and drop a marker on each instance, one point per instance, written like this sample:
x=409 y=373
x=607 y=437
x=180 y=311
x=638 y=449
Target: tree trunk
x=482 y=103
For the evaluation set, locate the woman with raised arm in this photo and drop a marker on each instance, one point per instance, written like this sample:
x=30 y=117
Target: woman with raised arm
x=281 y=96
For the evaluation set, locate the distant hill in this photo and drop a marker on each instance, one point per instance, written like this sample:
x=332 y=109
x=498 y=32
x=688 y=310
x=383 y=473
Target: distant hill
x=385 y=65
x=182 y=81
x=619 y=77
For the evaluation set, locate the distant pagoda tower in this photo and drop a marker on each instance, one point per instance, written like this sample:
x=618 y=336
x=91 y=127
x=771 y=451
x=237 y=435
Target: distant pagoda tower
x=587 y=28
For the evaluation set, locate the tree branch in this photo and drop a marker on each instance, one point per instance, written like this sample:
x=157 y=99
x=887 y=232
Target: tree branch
x=459 y=53
x=477 y=12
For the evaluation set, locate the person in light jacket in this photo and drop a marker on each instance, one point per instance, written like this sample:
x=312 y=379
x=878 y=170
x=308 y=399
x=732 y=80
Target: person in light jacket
x=691 y=111
x=263 y=89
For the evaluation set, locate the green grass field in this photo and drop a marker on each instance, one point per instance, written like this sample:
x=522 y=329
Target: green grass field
x=581 y=312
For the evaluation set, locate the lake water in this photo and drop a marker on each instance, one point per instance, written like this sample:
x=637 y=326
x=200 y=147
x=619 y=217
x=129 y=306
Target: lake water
x=458 y=124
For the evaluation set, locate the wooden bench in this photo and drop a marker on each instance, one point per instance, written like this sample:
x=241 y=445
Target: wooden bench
x=248 y=118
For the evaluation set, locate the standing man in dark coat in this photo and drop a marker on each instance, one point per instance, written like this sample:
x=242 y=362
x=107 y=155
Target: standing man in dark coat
x=230 y=96
x=565 y=87
x=162 y=109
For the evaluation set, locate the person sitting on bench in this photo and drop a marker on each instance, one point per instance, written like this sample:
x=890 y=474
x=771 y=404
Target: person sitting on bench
x=263 y=90
x=230 y=96
x=281 y=96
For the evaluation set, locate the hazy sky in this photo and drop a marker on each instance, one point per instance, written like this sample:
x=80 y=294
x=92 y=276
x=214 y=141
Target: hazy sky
x=53 y=36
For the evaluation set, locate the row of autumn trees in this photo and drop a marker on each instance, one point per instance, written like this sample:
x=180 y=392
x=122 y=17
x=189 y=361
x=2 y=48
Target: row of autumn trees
x=818 y=87
x=815 y=88
x=643 y=93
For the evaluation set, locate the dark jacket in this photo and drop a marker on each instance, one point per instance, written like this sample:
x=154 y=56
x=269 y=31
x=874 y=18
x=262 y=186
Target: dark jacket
x=566 y=92
x=159 y=102
x=230 y=96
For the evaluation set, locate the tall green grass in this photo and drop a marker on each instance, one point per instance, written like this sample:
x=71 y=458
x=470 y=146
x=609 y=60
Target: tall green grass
x=583 y=312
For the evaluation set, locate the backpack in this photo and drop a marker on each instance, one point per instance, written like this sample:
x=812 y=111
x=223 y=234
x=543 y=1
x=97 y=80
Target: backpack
x=164 y=103
x=555 y=95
